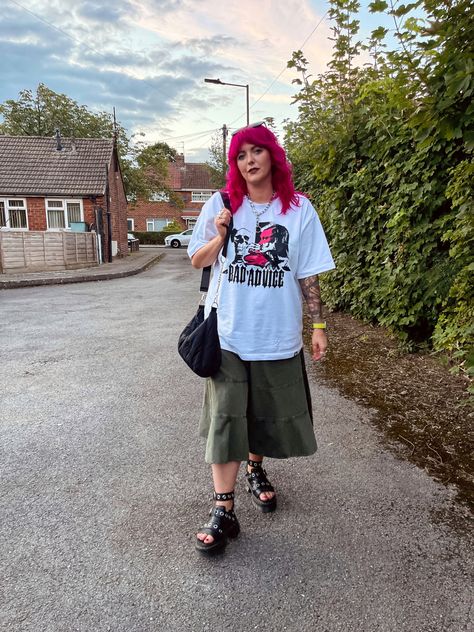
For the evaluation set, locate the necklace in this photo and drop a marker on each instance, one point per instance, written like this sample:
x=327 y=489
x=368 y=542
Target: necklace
x=258 y=213
x=264 y=210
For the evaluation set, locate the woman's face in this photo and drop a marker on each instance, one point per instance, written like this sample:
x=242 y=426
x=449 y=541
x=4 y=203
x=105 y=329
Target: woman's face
x=255 y=164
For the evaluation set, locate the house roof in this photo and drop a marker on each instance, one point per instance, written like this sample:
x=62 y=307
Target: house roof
x=189 y=175
x=196 y=176
x=32 y=165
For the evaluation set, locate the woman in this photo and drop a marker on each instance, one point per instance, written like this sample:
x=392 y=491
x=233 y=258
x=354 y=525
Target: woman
x=257 y=404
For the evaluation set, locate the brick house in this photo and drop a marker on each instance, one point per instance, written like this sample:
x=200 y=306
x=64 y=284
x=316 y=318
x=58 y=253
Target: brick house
x=191 y=181
x=52 y=188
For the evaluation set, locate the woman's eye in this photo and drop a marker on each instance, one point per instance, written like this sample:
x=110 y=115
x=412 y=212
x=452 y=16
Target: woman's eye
x=240 y=156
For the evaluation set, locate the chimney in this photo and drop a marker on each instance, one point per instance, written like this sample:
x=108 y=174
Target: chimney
x=58 y=139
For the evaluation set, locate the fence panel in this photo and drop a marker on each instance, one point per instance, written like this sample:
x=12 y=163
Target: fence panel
x=34 y=251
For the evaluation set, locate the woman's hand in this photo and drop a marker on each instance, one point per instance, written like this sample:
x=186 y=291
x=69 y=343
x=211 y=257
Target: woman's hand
x=222 y=220
x=319 y=342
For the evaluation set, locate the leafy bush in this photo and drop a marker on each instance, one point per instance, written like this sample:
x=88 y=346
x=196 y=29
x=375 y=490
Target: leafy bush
x=151 y=238
x=385 y=152
x=173 y=227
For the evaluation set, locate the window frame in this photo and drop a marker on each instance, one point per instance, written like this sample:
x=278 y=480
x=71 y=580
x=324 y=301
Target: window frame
x=65 y=202
x=154 y=219
x=200 y=196
x=131 y=219
x=6 y=210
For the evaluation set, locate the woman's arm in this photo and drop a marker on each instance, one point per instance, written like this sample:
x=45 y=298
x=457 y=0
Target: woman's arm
x=206 y=255
x=312 y=294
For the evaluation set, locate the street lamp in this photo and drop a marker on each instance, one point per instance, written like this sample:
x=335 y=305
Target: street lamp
x=238 y=85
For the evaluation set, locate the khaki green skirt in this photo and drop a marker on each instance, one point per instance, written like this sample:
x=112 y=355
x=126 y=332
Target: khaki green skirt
x=262 y=407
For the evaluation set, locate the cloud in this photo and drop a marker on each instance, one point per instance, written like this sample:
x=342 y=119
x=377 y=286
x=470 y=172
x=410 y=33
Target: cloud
x=194 y=67
x=101 y=12
x=149 y=57
x=207 y=45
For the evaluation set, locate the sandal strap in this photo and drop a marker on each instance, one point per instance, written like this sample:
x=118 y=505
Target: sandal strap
x=221 y=520
x=224 y=496
x=258 y=481
x=254 y=463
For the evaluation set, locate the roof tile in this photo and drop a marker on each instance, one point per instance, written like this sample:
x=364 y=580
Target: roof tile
x=32 y=165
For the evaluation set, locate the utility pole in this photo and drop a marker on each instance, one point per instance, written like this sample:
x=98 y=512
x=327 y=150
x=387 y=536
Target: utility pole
x=225 y=131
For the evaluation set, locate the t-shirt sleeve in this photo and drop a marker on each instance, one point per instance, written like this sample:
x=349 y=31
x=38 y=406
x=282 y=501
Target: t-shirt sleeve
x=314 y=254
x=205 y=229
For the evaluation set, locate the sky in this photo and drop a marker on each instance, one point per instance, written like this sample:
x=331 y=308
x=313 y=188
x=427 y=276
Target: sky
x=149 y=58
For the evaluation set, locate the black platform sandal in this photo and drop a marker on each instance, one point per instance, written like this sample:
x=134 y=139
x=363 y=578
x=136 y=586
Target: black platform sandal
x=258 y=483
x=222 y=525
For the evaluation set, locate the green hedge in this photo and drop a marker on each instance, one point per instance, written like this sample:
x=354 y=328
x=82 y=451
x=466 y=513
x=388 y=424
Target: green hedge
x=387 y=157
x=151 y=238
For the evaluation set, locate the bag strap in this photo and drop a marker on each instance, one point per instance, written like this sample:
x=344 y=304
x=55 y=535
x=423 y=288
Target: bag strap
x=206 y=272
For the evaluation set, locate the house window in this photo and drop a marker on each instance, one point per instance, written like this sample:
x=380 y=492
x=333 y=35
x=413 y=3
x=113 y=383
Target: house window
x=61 y=213
x=200 y=196
x=13 y=214
x=130 y=224
x=157 y=224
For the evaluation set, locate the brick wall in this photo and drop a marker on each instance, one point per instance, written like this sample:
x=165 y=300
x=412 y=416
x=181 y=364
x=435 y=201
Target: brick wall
x=143 y=210
x=118 y=209
x=36 y=208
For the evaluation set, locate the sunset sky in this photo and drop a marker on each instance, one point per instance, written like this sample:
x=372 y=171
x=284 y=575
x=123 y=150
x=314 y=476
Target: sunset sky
x=149 y=58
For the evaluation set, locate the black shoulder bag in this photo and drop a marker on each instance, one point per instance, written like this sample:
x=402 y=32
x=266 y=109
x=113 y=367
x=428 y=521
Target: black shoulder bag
x=198 y=343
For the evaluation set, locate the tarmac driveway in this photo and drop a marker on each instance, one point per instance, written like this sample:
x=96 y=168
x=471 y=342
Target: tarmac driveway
x=103 y=484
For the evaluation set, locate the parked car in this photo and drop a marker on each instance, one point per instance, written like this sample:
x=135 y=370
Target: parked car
x=180 y=239
x=131 y=238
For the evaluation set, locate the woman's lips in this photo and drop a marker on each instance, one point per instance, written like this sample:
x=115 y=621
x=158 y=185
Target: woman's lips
x=253 y=170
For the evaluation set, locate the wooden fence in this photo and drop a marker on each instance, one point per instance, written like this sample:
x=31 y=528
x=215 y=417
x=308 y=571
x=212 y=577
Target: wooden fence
x=33 y=251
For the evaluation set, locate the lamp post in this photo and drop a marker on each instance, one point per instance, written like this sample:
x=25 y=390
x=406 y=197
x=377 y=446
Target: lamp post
x=238 y=85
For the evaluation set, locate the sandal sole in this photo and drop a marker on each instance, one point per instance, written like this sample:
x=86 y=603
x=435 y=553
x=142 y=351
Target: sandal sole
x=216 y=547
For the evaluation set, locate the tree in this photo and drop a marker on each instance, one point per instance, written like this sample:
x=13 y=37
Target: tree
x=40 y=113
x=217 y=163
x=146 y=171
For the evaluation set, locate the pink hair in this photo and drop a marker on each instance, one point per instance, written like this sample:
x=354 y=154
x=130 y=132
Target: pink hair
x=281 y=169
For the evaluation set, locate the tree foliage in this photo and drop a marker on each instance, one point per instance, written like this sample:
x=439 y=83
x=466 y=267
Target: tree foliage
x=40 y=113
x=217 y=163
x=386 y=151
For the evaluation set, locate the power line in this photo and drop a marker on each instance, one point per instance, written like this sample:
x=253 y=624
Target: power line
x=144 y=81
x=71 y=37
x=194 y=134
x=100 y=54
x=285 y=68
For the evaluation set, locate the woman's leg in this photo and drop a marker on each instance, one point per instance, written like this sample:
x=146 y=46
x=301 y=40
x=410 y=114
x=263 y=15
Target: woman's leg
x=224 y=476
x=259 y=458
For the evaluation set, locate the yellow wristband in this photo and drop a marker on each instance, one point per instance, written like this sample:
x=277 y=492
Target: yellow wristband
x=319 y=325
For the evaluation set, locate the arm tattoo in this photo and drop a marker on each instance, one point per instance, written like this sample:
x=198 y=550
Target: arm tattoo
x=312 y=294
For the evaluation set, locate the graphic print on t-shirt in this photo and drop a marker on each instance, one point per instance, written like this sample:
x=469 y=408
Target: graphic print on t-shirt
x=263 y=261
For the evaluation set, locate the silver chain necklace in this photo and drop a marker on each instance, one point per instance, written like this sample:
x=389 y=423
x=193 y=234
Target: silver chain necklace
x=264 y=210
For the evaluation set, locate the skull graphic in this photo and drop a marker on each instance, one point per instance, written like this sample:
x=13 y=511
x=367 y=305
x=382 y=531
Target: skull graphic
x=241 y=241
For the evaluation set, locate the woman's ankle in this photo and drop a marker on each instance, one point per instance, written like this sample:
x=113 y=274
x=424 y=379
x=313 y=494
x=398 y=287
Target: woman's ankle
x=227 y=504
x=253 y=463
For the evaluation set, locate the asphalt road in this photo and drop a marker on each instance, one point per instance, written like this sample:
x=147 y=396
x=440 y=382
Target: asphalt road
x=103 y=484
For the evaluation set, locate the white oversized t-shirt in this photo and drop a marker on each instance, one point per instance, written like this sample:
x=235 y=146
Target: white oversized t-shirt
x=260 y=303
